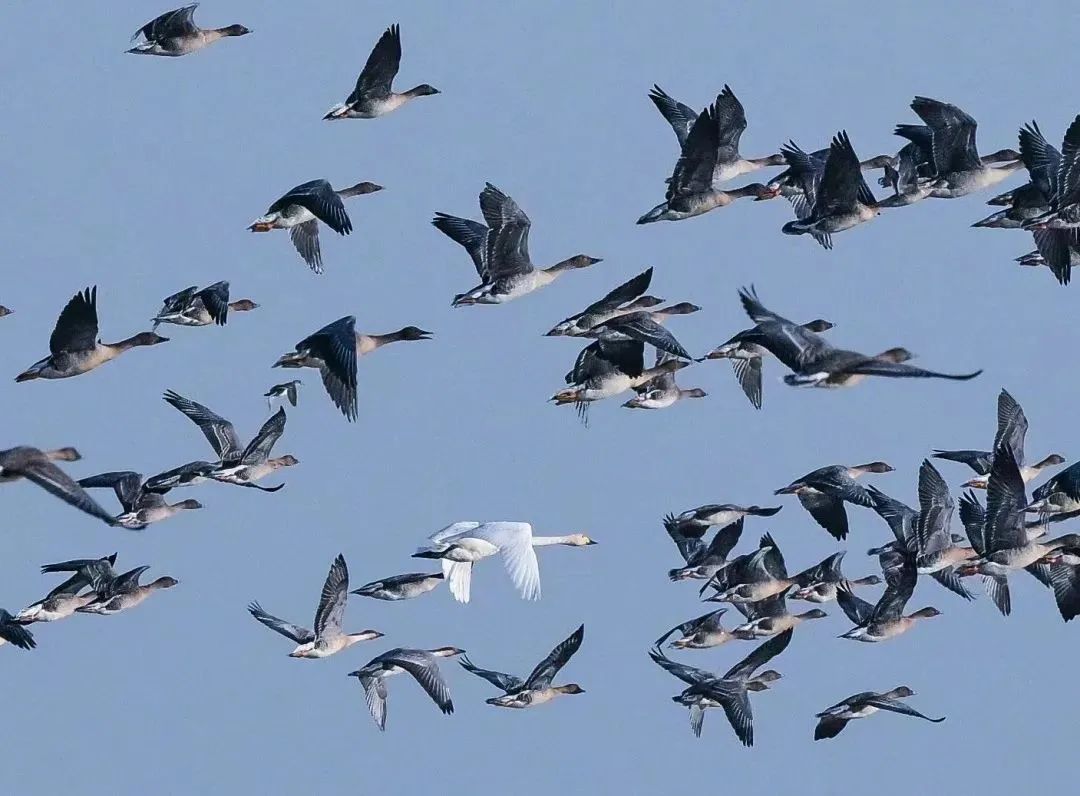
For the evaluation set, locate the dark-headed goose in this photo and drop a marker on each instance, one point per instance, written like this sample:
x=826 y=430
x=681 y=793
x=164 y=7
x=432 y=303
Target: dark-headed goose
x=142 y=506
x=842 y=200
x=116 y=593
x=1012 y=426
x=886 y=619
x=832 y=720
x=401 y=587
x=747 y=357
x=700 y=633
x=74 y=345
x=194 y=307
x=770 y=617
x=175 y=33
x=37 y=467
x=1003 y=542
x=824 y=491
x=1064 y=211
x=499 y=248
x=373 y=95
x=957 y=169
x=702 y=560
x=606 y=368
x=729 y=691
x=536 y=689
x=625 y=298
x=816 y=363
x=327 y=638
x=818 y=583
x=68 y=597
x=709 y=157
x=422 y=665
x=661 y=391
x=239 y=465
x=300 y=211
x=902 y=520
x=333 y=351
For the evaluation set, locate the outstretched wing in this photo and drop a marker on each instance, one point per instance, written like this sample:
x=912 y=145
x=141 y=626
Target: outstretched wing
x=542 y=675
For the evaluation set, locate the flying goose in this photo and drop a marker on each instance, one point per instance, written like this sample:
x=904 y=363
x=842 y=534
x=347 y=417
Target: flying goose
x=625 y=298
x=422 y=665
x=64 y=600
x=824 y=491
x=728 y=691
x=859 y=706
x=302 y=208
x=194 y=307
x=175 y=33
x=142 y=506
x=36 y=466
x=816 y=363
x=499 y=249
x=956 y=168
x=709 y=157
x=373 y=95
x=536 y=689
x=242 y=466
x=333 y=351
x=74 y=345
x=1012 y=426
x=327 y=638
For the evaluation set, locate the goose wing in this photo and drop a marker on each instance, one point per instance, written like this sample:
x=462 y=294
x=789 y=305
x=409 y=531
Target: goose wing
x=77 y=327
x=260 y=446
x=301 y=635
x=335 y=593
x=381 y=68
x=546 y=670
x=218 y=431
x=507 y=682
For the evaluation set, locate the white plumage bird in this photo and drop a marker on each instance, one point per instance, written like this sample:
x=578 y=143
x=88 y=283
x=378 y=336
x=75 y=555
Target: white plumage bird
x=462 y=544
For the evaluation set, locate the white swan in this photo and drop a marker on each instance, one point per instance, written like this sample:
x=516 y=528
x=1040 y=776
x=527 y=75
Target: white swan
x=462 y=544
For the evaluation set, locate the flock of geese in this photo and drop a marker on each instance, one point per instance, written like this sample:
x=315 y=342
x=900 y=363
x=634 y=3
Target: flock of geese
x=829 y=195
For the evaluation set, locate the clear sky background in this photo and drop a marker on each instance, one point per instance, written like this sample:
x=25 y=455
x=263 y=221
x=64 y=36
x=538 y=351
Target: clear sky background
x=140 y=174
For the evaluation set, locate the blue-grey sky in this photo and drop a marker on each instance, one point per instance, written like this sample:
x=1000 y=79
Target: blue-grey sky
x=140 y=174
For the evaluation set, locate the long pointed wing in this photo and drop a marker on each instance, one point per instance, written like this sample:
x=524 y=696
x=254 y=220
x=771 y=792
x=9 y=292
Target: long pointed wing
x=546 y=670
x=126 y=484
x=761 y=655
x=856 y=608
x=318 y=197
x=936 y=508
x=305 y=239
x=425 y=670
x=218 y=431
x=375 y=696
x=382 y=66
x=896 y=706
x=1012 y=426
x=260 y=446
x=681 y=117
x=77 y=327
x=472 y=235
x=335 y=593
x=506 y=682
x=301 y=635
x=57 y=483
x=216 y=300
x=688 y=674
